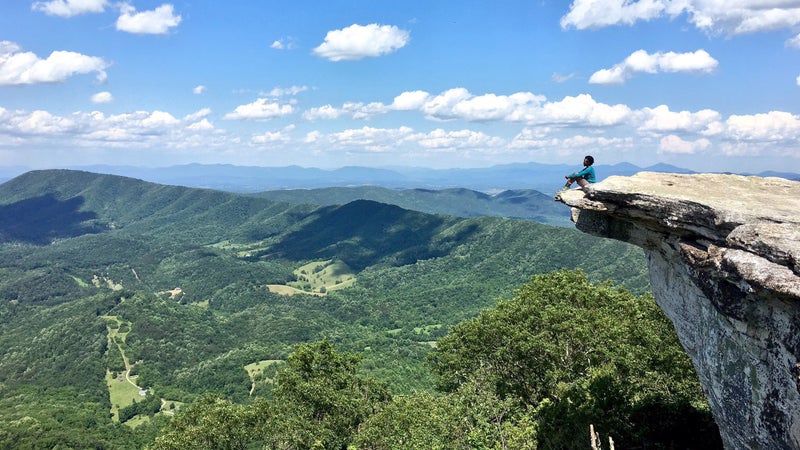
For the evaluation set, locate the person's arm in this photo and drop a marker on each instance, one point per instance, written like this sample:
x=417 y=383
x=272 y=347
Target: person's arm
x=582 y=173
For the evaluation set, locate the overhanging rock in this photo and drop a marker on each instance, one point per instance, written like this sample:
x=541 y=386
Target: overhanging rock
x=724 y=258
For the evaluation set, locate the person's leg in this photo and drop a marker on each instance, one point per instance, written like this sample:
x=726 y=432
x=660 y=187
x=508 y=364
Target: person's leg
x=582 y=182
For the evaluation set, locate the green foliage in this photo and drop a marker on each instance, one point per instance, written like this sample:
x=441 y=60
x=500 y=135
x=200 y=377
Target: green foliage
x=518 y=204
x=320 y=401
x=417 y=276
x=213 y=423
x=149 y=406
x=580 y=353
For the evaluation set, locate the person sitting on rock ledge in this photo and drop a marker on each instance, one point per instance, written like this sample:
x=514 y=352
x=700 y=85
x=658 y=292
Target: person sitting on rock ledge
x=583 y=177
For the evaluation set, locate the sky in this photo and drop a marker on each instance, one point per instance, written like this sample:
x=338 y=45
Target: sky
x=707 y=85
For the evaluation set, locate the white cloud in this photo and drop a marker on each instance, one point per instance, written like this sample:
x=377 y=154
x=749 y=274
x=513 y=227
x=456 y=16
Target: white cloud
x=205 y=112
x=102 y=97
x=312 y=136
x=774 y=126
x=158 y=130
x=674 y=144
x=326 y=112
x=372 y=139
x=536 y=138
x=201 y=125
x=17 y=67
x=793 y=42
x=359 y=41
x=270 y=137
x=410 y=100
x=441 y=106
x=798 y=80
x=69 y=8
x=660 y=119
x=641 y=61
x=441 y=139
x=261 y=109
x=560 y=78
x=459 y=103
x=356 y=110
x=292 y=90
x=199 y=89
x=713 y=16
x=599 y=13
x=581 y=110
x=287 y=43
x=157 y=21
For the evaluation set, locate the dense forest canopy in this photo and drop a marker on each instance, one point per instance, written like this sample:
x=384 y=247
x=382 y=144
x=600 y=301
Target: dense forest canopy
x=127 y=307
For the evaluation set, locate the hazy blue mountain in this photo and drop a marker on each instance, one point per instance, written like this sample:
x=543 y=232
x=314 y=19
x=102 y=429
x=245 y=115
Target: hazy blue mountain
x=516 y=204
x=545 y=178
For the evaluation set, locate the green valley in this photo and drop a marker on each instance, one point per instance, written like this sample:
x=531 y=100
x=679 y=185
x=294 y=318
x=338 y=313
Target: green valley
x=129 y=311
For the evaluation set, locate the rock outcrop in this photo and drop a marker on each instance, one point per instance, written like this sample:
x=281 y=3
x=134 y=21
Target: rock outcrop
x=724 y=259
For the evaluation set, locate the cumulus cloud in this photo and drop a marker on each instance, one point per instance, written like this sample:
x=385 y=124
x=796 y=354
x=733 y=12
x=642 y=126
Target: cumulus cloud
x=157 y=21
x=18 y=67
x=372 y=139
x=582 y=110
x=539 y=138
x=271 y=137
x=410 y=100
x=356 y=110
x=674 y=144
x=766 y=127
x=199 y=89
x=359 y=41
x=599 y=13
x=102 y=97
x=460 y=104
x=641 y=61
x=441 y=139
x=261 y=109
x=713 y=16
x=660 y=120
x=794 y=42
x=69 y=8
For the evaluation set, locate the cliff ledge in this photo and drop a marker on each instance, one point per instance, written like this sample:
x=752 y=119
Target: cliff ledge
x=724 y=258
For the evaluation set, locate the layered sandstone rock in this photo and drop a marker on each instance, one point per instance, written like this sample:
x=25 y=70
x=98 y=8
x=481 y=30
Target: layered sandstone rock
x=724 y=259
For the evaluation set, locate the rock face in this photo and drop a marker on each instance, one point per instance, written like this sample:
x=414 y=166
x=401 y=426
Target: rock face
x=724 y=259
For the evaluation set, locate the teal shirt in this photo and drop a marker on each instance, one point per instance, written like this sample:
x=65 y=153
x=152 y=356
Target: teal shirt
x=587 y=173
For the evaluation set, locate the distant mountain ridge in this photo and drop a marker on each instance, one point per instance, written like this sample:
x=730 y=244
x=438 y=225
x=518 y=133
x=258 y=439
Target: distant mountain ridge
x=526 y=204
x=546 y=178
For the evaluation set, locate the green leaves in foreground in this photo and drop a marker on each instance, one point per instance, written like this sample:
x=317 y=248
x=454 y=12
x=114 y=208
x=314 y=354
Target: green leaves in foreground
x=535 y=372
x=576 y=354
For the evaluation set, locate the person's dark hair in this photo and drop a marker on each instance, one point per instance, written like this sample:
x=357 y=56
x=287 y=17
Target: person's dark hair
x=590 y=159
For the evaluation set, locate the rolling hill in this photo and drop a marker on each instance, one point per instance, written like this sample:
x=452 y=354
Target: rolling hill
x=189 y=274
x=515 y=204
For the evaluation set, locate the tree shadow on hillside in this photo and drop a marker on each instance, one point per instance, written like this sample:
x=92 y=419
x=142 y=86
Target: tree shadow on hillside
x=363 y=233
x=39 y=220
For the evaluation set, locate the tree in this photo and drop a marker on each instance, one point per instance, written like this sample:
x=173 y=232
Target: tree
x=211 y=422
x=576 y=353
x=319 y=400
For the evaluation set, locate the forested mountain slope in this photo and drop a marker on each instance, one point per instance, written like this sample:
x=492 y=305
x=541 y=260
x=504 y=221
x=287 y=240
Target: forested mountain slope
x=104 y=277
x=516 y=204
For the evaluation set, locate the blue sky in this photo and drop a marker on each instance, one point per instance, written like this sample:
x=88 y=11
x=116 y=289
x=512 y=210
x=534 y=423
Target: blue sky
x=710 y=85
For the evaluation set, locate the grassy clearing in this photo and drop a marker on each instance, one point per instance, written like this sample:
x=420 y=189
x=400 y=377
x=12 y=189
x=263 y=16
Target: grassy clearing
x=241 y=250
x=323 y=276
x=80 y=282
x=121 y=390
x=261 y=372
